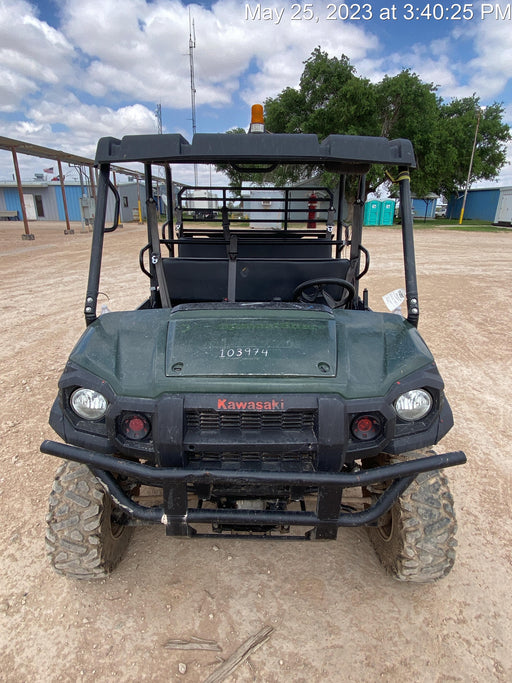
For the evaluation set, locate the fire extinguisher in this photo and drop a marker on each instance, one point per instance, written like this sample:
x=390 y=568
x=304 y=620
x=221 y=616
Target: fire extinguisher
x=312 y=211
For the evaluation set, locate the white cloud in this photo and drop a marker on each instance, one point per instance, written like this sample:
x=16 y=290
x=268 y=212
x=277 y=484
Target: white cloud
x=278 y=51
x=492 y=68
x=98 y=71
x=140 y=54
x=71 y=126
x=13 y=88
x=94 y=120
x=145 y=56
x=32 y=54
x=486 y=74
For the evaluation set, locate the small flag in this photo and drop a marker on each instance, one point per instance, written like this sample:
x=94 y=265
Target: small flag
x=48 y=170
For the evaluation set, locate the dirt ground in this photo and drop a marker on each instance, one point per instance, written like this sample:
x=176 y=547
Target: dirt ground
x=335 y=614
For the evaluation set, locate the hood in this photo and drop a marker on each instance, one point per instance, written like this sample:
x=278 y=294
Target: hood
x=145 y=353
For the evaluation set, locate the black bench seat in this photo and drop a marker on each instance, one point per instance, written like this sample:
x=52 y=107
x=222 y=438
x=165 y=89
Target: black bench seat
x=193 y=280
x=262 y=244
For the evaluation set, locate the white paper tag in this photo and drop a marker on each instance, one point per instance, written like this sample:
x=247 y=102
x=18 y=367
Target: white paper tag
x=394 y=299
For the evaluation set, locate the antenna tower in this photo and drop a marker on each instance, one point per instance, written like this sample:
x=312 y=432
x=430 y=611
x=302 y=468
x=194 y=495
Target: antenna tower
x=158 y=114
x=191 y=47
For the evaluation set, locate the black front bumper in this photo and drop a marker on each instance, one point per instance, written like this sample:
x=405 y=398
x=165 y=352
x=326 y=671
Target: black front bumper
x=178 y=517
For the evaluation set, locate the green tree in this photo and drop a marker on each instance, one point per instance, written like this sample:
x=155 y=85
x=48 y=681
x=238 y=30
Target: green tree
x=458 y=124
x=331 y=98
x=408 y=108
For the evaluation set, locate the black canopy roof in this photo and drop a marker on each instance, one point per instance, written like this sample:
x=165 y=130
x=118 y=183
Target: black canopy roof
x=352 y=153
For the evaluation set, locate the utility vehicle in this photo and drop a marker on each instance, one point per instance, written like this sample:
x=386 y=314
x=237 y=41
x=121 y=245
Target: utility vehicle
x=254 y=390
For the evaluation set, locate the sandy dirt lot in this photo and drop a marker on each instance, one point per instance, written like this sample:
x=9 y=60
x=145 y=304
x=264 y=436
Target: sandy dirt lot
x=335 y=614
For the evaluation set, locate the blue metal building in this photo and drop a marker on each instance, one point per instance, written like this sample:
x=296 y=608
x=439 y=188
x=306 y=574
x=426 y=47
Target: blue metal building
x=481 y=204
x=424 y=207
x=43 y=200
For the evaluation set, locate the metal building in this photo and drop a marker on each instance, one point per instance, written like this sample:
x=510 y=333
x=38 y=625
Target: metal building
x=504 y=209
x=481 y=204
x=43 y=200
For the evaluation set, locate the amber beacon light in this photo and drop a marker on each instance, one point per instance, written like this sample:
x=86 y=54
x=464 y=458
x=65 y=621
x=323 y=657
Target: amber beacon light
x=257 y=119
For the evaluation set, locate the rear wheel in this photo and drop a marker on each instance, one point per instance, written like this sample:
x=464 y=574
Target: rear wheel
x=416 y=539
x=85 y=537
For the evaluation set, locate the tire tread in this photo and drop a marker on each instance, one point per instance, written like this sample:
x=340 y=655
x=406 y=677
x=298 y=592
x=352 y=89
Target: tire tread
x=79 y=540
x=422 y=544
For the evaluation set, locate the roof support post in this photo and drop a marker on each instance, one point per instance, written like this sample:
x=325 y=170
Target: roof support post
x=114 y=179
x=168 y=189
x=411 y=284
x=139 y=207
x=339 y=217
x=93 y=283
x=27 y=234
x=91 y=180
x=170 y=206
x=357 y=230
x=68 y=230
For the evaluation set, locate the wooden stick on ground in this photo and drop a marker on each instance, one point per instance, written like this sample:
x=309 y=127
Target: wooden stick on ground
x=193 y=644
x=240 y=655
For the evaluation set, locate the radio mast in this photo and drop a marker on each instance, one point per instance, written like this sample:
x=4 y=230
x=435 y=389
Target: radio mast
x=158 y=114
x=191 y=47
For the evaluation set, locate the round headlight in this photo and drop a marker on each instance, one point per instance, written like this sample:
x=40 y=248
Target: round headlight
x=88 y=404
x=413 y=405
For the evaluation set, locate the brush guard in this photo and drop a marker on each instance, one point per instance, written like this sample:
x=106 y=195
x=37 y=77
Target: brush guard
x=178 y=517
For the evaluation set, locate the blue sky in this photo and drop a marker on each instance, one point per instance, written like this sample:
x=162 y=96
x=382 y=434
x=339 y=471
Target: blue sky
x=72 y=71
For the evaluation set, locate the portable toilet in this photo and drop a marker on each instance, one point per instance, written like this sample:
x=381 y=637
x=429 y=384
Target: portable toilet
x=372 y=212
x=387 y=212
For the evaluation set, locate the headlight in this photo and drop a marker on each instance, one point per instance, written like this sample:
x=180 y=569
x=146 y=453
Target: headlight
x=413 y=405
x=88 y=404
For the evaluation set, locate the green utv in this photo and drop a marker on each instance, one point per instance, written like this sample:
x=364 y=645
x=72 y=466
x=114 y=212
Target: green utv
x=254 y=387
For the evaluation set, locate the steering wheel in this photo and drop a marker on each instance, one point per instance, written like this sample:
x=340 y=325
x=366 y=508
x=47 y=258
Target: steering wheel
x=311 y=290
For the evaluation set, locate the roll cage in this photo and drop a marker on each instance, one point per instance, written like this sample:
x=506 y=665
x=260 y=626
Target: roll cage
x=222 y=254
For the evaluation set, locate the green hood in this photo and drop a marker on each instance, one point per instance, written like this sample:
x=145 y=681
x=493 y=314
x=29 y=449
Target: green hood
x=357 y=354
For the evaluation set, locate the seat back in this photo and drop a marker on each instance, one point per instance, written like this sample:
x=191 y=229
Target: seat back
x=269 y=244
x=194 y=280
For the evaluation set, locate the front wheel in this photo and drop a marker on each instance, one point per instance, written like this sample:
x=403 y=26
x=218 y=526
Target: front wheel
x=415 y=540
x=86 y=536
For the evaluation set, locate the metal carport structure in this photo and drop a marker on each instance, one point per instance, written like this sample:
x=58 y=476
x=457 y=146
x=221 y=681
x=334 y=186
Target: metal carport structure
x=19 y=147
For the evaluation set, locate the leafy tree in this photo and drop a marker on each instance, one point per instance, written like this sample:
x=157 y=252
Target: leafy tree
x=408 y=108
x=458 y=124
x=331 y=98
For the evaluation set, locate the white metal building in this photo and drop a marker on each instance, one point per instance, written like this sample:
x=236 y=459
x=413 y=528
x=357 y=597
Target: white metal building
x=504 y=208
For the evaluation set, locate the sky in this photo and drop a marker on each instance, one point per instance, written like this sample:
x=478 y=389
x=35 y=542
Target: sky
x=72 y=71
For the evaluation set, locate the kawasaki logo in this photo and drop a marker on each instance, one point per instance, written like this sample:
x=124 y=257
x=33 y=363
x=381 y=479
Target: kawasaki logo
x=225 y=404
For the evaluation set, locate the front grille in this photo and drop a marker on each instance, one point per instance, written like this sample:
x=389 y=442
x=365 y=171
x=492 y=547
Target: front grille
x=205 y=420
x=253 y=462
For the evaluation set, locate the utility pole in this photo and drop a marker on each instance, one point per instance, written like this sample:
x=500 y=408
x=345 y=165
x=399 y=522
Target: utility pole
x=478 y=117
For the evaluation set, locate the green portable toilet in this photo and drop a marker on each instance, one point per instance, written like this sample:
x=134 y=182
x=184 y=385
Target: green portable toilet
x=372 y=212
x=387 y=212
